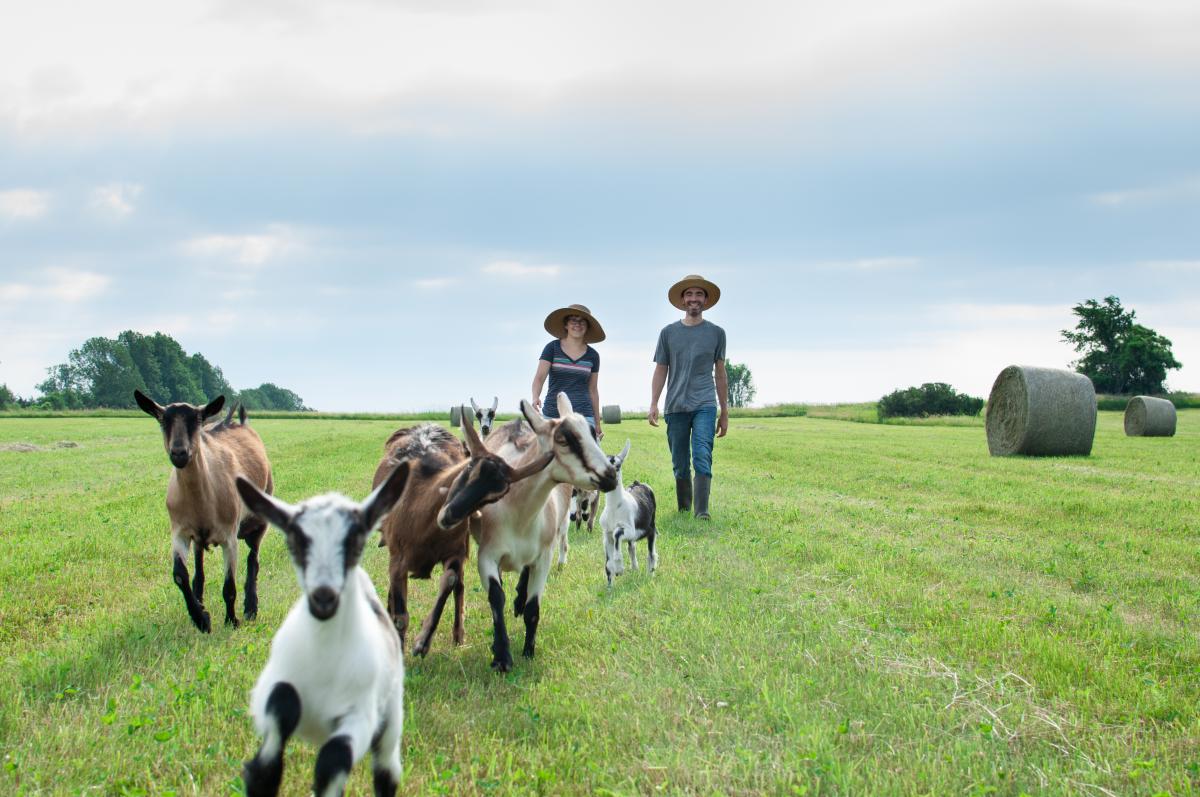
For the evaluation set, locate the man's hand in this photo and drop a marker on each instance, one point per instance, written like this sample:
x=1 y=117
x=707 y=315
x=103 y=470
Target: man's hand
x=723 y=423
x=652 y=416
x=599 y=431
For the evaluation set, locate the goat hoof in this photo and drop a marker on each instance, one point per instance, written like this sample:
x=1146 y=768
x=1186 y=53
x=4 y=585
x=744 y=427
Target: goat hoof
x=502 y=666
x=203 y=622
x=420 y=649
x=233 y=621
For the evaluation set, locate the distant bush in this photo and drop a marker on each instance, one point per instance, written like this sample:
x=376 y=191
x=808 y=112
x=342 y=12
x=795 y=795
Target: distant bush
x=1116 y=403
x=931 y=398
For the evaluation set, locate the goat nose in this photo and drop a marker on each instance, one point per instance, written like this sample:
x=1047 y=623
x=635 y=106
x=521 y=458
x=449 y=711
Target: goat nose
x=322 y=602
x=179 y=457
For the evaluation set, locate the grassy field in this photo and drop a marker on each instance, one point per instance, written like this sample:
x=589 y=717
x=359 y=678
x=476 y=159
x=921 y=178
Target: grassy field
x=876 y=609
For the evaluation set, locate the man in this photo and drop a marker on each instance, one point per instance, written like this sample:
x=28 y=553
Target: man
x=690 y=361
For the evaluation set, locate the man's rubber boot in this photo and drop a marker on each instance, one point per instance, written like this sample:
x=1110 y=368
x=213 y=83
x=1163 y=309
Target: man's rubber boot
x=703 y=485
x=683 y=494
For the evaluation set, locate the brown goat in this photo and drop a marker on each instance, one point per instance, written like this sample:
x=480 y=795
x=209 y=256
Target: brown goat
x=203 y=502
x=410 y=530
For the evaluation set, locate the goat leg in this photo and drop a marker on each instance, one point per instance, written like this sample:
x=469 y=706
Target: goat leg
x=398 y=595
x=194 y=609
x=449 y=581
x=198 y=576
x=501 y=655
x=229 y=590
x=262 y=774
x=522 y=592
x=252 y=531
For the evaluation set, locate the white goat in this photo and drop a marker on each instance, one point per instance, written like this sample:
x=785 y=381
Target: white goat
x=516 y=532
x=485 y=417
x=201 y=500
x=335 y=674
x=628 y=517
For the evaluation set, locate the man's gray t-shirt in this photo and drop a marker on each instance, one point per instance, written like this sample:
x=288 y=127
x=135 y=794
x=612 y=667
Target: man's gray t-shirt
x=690 y=354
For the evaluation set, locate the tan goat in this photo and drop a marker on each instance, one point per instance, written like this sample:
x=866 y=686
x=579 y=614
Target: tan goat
x=414 y=540
x=202 y=500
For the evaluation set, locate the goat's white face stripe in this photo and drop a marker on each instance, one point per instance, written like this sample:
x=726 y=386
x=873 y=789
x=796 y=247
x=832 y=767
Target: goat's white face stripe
x=326 y=521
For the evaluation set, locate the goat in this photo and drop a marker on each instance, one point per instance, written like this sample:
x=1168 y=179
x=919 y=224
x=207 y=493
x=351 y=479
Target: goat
x=202 y=501
x=335 y=674
x=485 y=417
x=516 y=532
x=628 y=517
x=411 y=531
x=584 y=504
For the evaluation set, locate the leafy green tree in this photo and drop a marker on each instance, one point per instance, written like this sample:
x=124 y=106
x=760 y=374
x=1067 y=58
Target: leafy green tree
x=7 y=398
x=108 y=370
x=212 y=381
x=741 y=384
x=931 y=398
x=268 y=396
x=1119 y=355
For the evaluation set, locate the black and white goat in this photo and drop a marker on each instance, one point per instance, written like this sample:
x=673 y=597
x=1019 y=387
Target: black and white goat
x=516 y=532
x=202 y=502
x=486 y=417
x=335 y=675
x=628 y=517
x=584 y=506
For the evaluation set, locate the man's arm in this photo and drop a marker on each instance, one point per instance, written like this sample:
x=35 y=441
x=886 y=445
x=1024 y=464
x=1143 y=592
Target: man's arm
x=722 y=379
x=657 y=381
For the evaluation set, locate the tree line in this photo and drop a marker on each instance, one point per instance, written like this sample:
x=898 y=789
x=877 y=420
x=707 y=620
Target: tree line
x=104 y=372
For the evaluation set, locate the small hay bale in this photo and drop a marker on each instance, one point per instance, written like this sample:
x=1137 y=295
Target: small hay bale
x=1041 y=412
x=611 y=413
x=456 y=415
x=1147 y=416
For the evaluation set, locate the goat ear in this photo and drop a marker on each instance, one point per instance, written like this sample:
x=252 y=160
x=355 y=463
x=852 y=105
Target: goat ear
x=474 y=406
x=495 y=403
x=474 y=444
x=624 y=452
x=148 y=405
x=536 y=466
x=275 y=511
x=533 y=417
x=212 y=408
x=564 y=405
x=385 y=496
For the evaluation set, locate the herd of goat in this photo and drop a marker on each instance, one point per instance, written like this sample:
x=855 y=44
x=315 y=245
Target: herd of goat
x=335 y=673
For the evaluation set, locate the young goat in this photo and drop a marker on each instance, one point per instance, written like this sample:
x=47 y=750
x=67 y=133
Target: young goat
x=516 y=532
x=203 y=503
x=485 y=417
x=411 y=531
x=335 y=675
x=584 y=504
x=628 y=517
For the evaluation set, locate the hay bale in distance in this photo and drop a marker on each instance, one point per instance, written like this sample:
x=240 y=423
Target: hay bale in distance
x=456 y=415
x=1147 y=416
x=1041 y=412
x=611 y=413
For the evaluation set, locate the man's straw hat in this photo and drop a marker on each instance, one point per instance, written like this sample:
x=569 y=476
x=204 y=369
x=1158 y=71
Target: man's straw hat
x=675 y=295
x=556 y=321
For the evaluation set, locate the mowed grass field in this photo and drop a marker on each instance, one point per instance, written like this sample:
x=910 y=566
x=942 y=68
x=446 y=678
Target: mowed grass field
x=875 y=609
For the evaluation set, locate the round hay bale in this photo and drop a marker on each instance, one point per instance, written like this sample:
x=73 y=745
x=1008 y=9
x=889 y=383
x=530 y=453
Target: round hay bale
x=1147 y=416
x=611 y=413
x=1041 y=412
x=456 y=415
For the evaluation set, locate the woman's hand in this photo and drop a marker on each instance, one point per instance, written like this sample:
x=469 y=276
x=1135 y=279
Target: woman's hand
x=537 y=403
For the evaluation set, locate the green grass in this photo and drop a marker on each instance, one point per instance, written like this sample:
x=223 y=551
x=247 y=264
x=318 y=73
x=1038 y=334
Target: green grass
x=876 y=609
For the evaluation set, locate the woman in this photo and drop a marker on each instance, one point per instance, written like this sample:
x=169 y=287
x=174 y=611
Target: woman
x=572 y=365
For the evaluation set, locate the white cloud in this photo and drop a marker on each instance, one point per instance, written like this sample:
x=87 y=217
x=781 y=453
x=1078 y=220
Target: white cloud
x=977 y=314
x=248 y=250
x=512 y=268
x=59 y=284
x=1172 y=266
x=1173 y=191
x=435 y=283
x=874 y=264
x=116 y=199
x=24 y=204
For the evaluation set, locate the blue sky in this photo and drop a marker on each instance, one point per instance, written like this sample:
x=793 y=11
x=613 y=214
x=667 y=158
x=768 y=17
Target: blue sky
x=376 y=204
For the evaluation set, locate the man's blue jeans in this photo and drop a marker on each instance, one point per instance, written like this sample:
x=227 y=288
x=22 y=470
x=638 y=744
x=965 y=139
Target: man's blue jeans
x=696 y=428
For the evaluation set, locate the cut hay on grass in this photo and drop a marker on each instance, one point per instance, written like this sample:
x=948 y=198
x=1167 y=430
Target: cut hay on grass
x=1146 y=416
x=1041 y=412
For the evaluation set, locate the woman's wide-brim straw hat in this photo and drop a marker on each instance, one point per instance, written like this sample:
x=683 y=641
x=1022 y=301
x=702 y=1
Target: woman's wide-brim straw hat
x=675 y=295
x=556 y=323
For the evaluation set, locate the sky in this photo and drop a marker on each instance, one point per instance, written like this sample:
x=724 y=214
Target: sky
x=375 y=204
